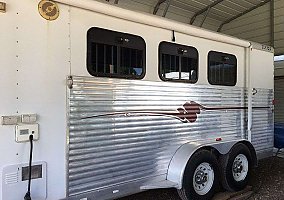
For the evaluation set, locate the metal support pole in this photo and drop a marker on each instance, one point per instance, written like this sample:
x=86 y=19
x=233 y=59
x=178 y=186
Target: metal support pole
x=272 y=23
x=241 y=14
x=167 y=8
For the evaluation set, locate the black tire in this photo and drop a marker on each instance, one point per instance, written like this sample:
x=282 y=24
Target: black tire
x=188 y=192
x=226 y=165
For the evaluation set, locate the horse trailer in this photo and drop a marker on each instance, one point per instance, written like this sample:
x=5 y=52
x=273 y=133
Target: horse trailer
x=98 y=102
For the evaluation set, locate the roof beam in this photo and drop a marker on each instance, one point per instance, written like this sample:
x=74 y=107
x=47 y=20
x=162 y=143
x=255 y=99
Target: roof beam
x=204 y=9
x=167 y=8
x=157 y=6
x=241 y=14
x=205 y=16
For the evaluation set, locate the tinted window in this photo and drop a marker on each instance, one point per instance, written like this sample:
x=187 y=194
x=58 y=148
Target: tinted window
x=222 y=69
x=178 y=62
x=115 y=54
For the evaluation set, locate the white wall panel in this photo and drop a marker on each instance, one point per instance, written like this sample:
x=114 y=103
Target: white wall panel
x=34 y=64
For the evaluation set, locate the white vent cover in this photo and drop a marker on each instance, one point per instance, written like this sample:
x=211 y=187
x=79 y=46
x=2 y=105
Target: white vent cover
x=14 y=181
x=12 y=178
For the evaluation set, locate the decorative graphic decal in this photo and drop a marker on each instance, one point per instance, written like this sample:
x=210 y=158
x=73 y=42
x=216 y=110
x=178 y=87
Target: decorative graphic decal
x=187 y=113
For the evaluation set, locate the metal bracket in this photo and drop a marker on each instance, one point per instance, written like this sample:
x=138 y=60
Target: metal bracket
x=2 y=7
x=254 y=91
x=70 y=82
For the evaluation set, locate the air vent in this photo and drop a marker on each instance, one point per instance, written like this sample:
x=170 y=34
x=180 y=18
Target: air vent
x=48 y=10
x=11 y=178
x=14 y=181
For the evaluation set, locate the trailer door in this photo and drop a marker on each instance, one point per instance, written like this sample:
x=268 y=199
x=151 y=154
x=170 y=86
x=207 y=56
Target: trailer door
x=260 y=98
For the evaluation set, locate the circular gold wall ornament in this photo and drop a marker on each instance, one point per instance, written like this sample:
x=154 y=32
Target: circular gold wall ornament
x=48 y=9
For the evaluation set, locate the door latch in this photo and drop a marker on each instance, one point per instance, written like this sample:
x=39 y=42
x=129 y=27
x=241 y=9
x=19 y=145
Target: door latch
x=254 y=91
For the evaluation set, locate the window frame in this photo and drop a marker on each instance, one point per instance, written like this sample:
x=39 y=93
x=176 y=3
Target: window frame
x=111 y=38
x=224 y=54
x=174 y=47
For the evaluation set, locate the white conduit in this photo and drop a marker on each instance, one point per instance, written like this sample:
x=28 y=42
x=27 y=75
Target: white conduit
x=151 y=20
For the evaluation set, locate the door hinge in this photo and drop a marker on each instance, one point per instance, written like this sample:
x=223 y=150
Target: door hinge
x=70 y=82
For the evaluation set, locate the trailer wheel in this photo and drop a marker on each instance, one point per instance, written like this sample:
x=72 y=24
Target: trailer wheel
x=201 y=177
x=235 y=168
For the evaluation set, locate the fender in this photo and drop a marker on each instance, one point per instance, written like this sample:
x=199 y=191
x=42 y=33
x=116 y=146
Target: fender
x=183 y=154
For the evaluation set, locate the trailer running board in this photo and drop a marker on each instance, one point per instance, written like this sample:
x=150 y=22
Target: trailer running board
x=159 y=184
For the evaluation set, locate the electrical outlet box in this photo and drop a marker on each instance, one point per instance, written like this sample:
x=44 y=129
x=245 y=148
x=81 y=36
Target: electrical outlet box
x=23 y=132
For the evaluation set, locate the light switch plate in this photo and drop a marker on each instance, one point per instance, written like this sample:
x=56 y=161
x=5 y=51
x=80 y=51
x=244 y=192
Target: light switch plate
x=29 y=118
x=23 y=132
x=10 y=120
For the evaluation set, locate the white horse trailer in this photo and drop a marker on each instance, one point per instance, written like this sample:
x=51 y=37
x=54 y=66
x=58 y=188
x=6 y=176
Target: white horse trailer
x=119 y=102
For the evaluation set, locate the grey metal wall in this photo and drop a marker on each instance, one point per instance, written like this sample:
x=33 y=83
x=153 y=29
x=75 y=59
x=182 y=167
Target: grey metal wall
x=179 y=10
x=133 y=130
x=255 y=26
x=279 y=100
x=279 y=68
x=279 y=91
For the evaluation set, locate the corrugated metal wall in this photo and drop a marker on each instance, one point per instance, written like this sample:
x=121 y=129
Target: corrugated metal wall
x=127 y=146
x=279 y=26
x=255 y=26
x=132 y=130
x=179 y=11
x=279 y=68
x=279 y=91
x=279 y=99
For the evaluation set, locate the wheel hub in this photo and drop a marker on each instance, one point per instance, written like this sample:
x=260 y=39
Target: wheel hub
x=240 y=167
x=203 y=178
x=237 y=167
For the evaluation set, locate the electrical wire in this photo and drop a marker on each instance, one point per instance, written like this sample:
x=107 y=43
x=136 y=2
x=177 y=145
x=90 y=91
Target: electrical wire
x=28 y=194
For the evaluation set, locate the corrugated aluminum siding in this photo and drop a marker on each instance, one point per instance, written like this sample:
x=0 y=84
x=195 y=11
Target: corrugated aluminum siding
x=262 y=126
x=119 y=144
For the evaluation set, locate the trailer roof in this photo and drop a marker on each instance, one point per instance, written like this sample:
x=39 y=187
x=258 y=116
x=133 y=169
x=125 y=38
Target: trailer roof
x=156 y=21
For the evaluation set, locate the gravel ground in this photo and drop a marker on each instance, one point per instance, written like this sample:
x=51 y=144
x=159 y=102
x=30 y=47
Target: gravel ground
x=267 y=181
